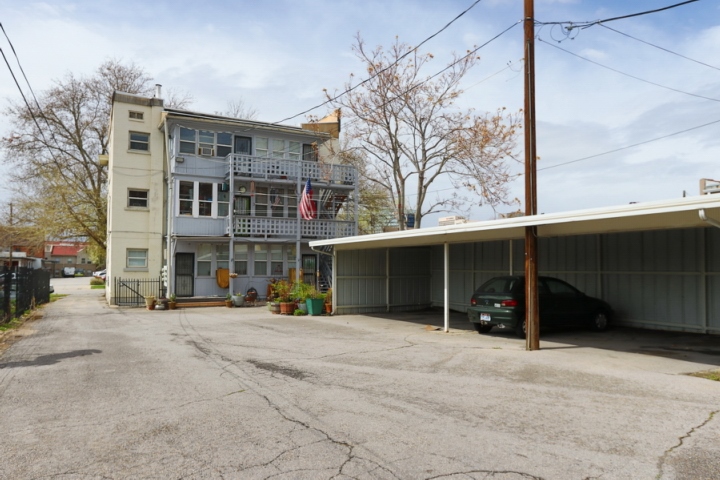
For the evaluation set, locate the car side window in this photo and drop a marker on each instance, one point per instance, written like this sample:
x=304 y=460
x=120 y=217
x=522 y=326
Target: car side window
x=558 y=287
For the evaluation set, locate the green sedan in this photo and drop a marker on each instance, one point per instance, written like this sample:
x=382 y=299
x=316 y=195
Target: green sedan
x=500 y=303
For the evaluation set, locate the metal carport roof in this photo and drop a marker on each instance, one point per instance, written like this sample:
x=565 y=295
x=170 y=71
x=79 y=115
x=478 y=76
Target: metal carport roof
x=679 y=213
x=691 y=212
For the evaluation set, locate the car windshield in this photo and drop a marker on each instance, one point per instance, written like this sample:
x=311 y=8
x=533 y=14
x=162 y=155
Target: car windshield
x=502 y=285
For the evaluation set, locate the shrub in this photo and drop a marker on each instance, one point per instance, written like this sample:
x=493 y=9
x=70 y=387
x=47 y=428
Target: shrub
x=96 y=281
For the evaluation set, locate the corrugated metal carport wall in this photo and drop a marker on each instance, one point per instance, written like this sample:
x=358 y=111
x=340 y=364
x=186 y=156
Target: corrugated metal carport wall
x=661 y=279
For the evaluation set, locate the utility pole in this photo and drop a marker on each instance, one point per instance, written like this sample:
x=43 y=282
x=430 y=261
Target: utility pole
x=532 y=311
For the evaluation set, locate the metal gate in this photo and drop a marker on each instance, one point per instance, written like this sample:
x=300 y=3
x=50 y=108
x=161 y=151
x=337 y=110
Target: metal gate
x=131 y=292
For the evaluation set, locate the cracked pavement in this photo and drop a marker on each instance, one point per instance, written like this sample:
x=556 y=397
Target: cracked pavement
x=93 y=392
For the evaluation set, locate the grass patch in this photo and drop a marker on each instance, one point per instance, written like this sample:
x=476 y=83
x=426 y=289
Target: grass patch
x=13 y=323
x=710 y=375
x=95 y=287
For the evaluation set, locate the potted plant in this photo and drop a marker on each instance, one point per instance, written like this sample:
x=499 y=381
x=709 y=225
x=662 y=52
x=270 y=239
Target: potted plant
x=228 y=300
x=238 y=299
x=315 y=302
x=150 y=302
x=328 y=301
x=284 y=296
x=172 y=302
x=301 y=292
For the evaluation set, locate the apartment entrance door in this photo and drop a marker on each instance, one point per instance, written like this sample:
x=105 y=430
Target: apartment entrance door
x=309 y=266
x=184 y=272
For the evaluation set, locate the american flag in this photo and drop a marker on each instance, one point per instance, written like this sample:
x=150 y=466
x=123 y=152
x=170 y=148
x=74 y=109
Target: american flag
x=307 y=206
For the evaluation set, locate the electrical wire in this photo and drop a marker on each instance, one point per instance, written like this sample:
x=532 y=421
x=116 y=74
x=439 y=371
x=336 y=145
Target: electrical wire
x=384 y=69
x=661 y=48
x=583 y=25
x=630 y=146
x=627 y=74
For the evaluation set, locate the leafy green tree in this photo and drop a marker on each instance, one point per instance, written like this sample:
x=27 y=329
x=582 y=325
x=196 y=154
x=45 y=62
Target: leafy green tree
x=52 y=151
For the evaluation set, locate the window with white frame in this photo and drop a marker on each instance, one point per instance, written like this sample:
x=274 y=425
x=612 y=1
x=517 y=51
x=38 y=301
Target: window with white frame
x=278 y=148
x=241 y=258
x=223 y=203
x=262 y=147
x=205 y=142
x=294 y=150
x=186 y=196
x=205 y=199
x=261 y=202
x=222 y=256
x=140 y=141
x=261 y=260
x=137 y=258
x=276 y=260
x=137 y=198
x=187 y=140
x=277 y=202
x=204 y=260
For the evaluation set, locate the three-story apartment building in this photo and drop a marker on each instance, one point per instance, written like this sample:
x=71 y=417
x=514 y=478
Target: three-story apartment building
x=214 y=201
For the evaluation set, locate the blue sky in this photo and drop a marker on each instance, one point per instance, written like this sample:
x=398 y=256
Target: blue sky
x=279 y=55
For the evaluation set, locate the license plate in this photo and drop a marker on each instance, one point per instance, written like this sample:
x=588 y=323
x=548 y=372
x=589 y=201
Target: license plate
x=485 y=317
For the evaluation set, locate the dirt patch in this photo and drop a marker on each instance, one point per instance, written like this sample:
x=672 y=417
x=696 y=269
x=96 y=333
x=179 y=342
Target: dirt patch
x=24 y=328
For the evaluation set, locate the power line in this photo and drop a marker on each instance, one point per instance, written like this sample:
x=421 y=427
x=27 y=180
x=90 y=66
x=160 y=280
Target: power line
x=627 y=74
x=573 y=25
x=384 y=69
x=660 y=48
x=631 y=146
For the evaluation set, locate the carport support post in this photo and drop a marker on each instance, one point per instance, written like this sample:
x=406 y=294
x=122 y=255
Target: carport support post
x=532 y=317
x=446 y=281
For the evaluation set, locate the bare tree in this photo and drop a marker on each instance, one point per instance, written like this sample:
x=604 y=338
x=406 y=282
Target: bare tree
x=239 y=109
x=53 y=147
x=412 y=133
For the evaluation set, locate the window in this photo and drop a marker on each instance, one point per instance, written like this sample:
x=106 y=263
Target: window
x=261 y=147
x=204 y=260
x=187 y=140
x=310 y=152
x=137 y=258
x=138 y=198
x=261 y=202
x=205 y=199
x=277 y=202
x=278 y=148
x=276 y=260
x=136 y=115
x=241 y=259
x=223 y=203
x=224 y=144
x=140 y=141
x=187 y=196
x=222 y=256
x=205 y=142
x=294 y=150
x=261 y=256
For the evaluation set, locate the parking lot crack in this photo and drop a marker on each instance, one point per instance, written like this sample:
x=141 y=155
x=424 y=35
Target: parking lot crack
x=681 y=442
x=487 y=472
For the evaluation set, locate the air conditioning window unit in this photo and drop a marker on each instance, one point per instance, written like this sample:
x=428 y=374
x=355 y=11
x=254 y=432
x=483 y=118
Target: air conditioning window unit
x=206 y=152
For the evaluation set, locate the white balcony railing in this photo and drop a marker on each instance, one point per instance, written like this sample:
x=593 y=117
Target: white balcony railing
x=272 y=168
x=288 y=228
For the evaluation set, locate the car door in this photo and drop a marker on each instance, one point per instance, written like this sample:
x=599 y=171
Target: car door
x=568 y=303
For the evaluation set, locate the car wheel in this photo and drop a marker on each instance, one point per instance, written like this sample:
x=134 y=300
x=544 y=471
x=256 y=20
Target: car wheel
x=600 y=322
x=480 y=328
x=520 y=329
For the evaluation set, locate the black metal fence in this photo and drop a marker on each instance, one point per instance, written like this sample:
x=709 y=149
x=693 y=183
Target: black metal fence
x=131 y=292
x=21 y=289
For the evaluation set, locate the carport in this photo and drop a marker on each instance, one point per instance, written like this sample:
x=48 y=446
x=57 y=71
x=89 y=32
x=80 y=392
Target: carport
x=656 y=263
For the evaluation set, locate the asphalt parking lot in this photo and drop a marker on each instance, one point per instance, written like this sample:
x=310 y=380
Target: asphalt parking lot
x=98 y=392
